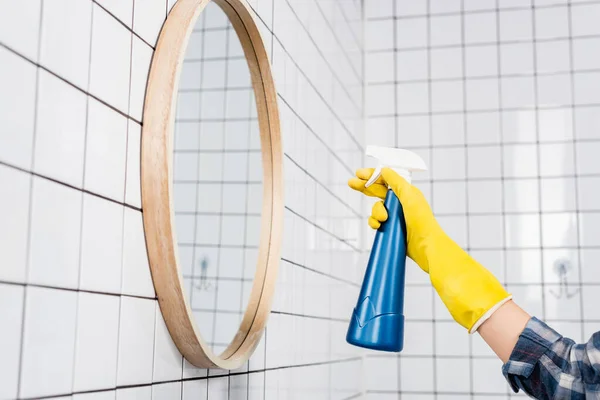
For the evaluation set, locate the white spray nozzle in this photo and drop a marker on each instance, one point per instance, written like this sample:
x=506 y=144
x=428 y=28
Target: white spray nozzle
x=404 y=162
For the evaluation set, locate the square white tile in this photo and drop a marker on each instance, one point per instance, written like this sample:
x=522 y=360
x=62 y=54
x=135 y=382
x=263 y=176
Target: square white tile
x=133 y=189
x=415 y=374
x=493 y=260
x=412 y=131
x=60 y=136
x=411 y=33
x=218 y=388
x=411 y=8
x=590 y=299
x=110 y=60
x=589 y=271
x=519 y=126
x=484 y=162
x=553 y=56
x=141 y=56
x=167 y=359
x=555 y=125
x=382 y=372
x=148 y=19
x=480 y=28
x=136 y=341
x=482 y=94
x=14 y=212
x=589 y=228
x=411 y=65
x=584 y=56
x=556 y=159
x=11 y=316
x=17 y=104
x=588 y=193
x=587 y=161
x=412 y=98
x=65 y=40
x=487 y=376
x=456 y=376
x=559 y=230
x=136 y=280
x=448 y=163
x=106 y=151
x=418 y=302
x=445 y=30
x=55 y=230
x=558 y=194
x=518 y=92
x=520 y=161
x=485 y=196
x=447 y=96
x=166 y=391
x=521 y=195
x=379 y=9
x=451 y=339
x=481 y=61
x=418 y=338
x=136 y=393
x=449 y=197
x=448 y=129
x=516 y=58
x=552 y=23
x=554 y=90
x=380 y=100
x=522 y=230
x=19 y=27
x=472 y=5
x=483 y=128
x=486 y=232
x=379 y=35
x=195 y=390
x=121 y=9
x=523 y=266
x=587 y=122
x=379 y=67
x=516 y=25
x=48 y=342
x=96 y=342
x=586 y=86
x=446 y=63
x=584 y=19
x=101 y=245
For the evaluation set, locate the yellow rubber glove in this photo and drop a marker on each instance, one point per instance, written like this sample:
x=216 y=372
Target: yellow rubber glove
x=470 y=292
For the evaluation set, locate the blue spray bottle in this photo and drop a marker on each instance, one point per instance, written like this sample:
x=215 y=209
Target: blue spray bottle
x=377 y=321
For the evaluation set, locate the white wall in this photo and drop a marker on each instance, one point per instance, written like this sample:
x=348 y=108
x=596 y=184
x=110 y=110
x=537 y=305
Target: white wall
x=77 y=308
x=502 y=100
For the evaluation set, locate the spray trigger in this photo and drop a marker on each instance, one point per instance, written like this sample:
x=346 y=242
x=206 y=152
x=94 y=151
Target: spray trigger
x=374 y=177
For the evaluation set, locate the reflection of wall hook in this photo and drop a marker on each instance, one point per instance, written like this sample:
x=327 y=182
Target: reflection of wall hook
x=562 y=267
x=203 y=283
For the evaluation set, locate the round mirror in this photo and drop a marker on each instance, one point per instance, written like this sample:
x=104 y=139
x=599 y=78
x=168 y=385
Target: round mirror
x=212 y=181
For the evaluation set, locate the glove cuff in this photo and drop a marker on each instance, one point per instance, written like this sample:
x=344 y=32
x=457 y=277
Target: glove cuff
x=488 y=314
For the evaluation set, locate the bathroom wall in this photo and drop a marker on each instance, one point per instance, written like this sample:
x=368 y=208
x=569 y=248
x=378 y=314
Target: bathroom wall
x=502 y=100
x=78 y=311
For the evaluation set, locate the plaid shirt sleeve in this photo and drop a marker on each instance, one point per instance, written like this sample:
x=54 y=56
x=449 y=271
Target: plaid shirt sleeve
x=546 y=365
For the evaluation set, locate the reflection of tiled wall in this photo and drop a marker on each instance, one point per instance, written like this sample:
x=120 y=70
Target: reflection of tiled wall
x=502 y=100
x=217 y=178
x=77 y=308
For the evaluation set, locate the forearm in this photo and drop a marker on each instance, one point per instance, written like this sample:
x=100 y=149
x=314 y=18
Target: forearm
x=502 y=330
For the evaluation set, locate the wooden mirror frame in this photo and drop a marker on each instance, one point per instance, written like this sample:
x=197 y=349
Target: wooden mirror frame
x=157 y=185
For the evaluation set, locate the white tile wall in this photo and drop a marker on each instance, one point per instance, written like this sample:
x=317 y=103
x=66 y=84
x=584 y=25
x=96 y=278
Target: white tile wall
x=77 y=304
x=503 y=97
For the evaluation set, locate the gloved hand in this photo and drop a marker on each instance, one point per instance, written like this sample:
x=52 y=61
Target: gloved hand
x=470 y=292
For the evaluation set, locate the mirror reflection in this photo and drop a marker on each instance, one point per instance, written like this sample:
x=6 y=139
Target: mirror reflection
x=217 y=178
